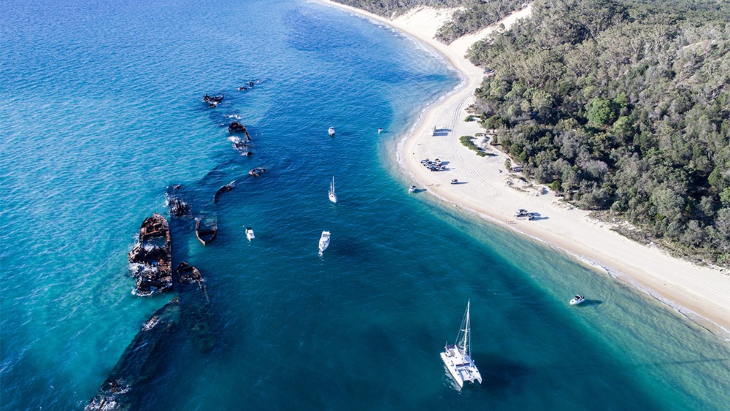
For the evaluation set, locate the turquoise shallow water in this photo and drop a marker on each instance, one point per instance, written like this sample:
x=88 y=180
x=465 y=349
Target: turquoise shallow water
x=100 y=107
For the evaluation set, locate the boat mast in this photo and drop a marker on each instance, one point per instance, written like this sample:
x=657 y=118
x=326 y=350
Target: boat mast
x=466 y=345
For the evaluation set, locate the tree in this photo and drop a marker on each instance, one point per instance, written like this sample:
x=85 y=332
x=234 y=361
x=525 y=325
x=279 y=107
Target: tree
x=601 y=112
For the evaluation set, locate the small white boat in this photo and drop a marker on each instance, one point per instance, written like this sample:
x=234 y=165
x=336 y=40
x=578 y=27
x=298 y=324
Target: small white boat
x=454 y=181
x=324 y=241
x=577 y=300
x=457 y=357
x=380 y=130
x=249 y=233
x=331 y=131
x=412 y=189
x=331 y=194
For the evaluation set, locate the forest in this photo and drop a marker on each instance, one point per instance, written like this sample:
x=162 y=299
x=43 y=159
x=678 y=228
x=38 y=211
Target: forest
x=621 y=106
x=624 y=108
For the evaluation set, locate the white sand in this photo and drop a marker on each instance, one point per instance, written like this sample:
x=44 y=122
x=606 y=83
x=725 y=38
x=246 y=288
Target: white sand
x=702 y=293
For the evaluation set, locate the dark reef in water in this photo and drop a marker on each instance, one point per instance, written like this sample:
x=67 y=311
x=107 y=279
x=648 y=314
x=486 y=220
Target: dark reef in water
x=138 y=362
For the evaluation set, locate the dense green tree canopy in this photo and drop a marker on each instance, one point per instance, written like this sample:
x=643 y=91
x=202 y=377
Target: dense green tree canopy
x=622 y=107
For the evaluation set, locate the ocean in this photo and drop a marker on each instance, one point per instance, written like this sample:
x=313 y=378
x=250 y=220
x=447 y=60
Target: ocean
x=101 y=112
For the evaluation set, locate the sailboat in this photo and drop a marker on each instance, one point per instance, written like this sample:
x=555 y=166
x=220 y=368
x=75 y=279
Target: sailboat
x=332 y=195
x=457 y=357
x=324 y=241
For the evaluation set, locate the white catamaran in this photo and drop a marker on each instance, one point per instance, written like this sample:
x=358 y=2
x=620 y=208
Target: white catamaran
x=324 y=241
x=332 y=195
x=457 y=357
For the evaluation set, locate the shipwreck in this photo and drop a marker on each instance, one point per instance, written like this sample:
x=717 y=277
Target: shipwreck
x=151 y=258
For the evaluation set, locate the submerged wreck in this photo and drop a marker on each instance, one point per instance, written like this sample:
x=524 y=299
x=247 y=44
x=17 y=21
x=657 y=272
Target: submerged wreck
x=256 y=171
x=226 y=188
x=151 y=258
x=212 y=101
x=237 y=127
x=176 y=206
x=138 y=362
x=194 y=306
x=206 y=228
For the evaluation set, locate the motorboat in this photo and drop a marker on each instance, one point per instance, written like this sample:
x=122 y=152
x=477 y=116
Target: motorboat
x=454 y=181
x=324 y=241
x=331 y=131
x=577 y=300
x=249 y=233
x=412 y=189
x=331 y=194
x=457 y=356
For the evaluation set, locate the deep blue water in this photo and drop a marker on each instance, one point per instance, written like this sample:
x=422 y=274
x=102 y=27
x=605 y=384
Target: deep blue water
x=100 y=111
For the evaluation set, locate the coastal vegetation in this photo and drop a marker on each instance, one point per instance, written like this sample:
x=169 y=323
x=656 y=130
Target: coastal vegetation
x=624 y=108
x=467 y=142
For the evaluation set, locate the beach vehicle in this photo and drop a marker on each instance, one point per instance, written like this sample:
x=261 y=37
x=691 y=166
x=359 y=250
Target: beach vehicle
x=412 y=189
x=331 y=194
x=577 y=300
x=324 y=241
x=331 y=131
x=249 y=233
x=454 y=181
x=457 y=357
x=206 y=229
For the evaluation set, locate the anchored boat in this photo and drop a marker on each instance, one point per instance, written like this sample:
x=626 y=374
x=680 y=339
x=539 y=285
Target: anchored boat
x=324 y=241
x=249 y=233
x=331 y=131
x=332 y=195
x=457 y=357
x=577 y=300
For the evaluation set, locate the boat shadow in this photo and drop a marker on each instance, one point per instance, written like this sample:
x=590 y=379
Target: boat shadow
x=501 y=373
x=588 y=303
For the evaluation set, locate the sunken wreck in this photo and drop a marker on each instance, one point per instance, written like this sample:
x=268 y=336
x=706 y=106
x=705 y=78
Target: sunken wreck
x=138 y=362
x=206 y=229
x=213 y=101
x=151 y=259
x=194 y=306
x=237 y=127
x=226 y=188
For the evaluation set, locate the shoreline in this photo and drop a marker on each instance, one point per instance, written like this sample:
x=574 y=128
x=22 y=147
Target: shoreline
x=700 y=294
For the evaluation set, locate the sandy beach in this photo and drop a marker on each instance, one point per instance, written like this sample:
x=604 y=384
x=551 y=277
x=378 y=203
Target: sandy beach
x=486 y=188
